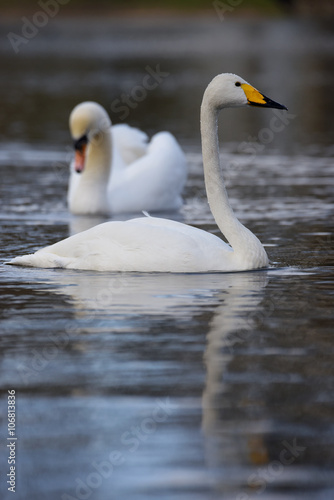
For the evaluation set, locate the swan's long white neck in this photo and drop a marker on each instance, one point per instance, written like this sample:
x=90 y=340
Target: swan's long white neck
x=98 y=161
x=246 y=246
x=88 y=191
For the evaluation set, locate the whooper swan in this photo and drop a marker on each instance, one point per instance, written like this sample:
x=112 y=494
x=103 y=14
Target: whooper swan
x=150 y=244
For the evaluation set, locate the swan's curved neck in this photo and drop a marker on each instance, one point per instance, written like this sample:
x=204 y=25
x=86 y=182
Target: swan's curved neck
x=97 y=168
x=88 y=191
x=244 y=243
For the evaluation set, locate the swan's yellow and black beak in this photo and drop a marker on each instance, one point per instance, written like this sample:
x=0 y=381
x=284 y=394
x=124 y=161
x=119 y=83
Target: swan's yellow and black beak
x=80 y=147
x=255 y=98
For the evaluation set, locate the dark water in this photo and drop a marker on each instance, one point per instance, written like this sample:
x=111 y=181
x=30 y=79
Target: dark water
x=213 y=386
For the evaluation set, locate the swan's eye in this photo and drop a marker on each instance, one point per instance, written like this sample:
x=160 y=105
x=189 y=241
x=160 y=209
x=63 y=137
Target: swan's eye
x=237 y=84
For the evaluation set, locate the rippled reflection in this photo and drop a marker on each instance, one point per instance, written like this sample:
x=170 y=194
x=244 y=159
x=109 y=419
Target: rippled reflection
x=162 y=386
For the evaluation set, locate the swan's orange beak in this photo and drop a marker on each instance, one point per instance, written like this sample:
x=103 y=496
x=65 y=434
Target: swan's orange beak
x=79 y=159
x=255 y=98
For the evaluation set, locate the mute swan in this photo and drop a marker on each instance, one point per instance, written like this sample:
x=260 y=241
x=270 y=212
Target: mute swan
x=116 y=170
x=150 y=244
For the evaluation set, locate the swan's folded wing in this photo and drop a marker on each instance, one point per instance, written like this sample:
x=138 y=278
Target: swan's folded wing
x=153 y=182
x=144 y=245
x=131 y=142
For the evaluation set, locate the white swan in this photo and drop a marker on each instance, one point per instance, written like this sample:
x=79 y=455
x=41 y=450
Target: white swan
x=151 y=244
x=116 y=170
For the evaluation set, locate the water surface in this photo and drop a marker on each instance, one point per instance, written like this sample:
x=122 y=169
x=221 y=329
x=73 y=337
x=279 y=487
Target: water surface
x=160 y=386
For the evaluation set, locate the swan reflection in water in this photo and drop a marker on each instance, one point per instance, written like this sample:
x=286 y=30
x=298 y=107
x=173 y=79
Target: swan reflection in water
x=233 y=446
x=122 y=302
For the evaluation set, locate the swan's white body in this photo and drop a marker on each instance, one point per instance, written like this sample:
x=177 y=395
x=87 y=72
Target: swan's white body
x=123 y=172
x=150 y=244
x=145 y=244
